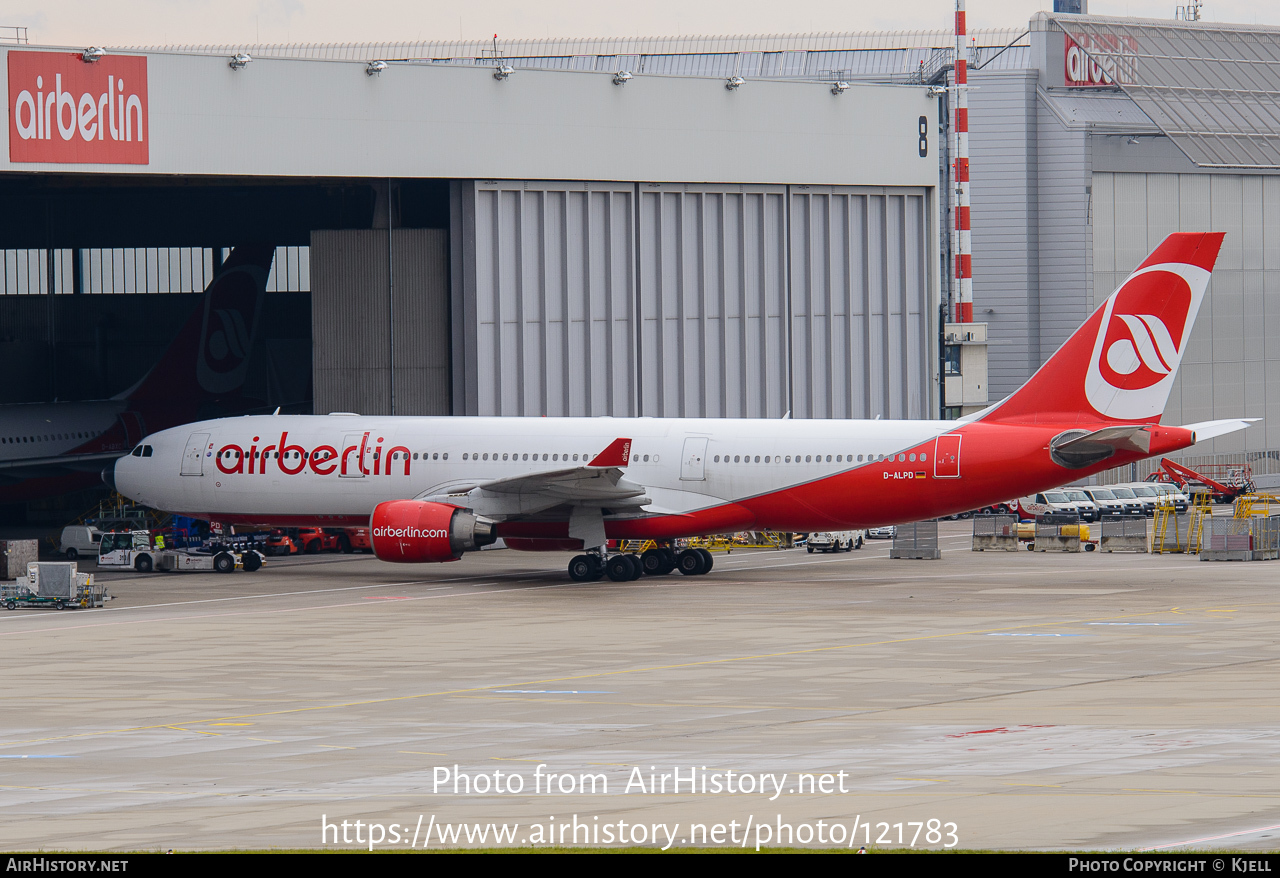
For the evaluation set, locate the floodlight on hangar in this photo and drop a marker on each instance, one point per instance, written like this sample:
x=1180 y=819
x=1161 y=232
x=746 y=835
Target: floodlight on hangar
x=502 y=72
x=93 y=53
x=733 y=82
x=839 y=88
x=239 y=61
x=622 y=77
x=936 y=91
x=373 y=68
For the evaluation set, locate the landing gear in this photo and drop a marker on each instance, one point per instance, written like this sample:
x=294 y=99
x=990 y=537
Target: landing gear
x=694 y=562
x=585 y=568
x=659 y=561
x=624 y=568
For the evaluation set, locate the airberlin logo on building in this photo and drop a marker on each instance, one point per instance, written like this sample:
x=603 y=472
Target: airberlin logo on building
x=1141 y=339
x=62 y=109
x=1116 y=59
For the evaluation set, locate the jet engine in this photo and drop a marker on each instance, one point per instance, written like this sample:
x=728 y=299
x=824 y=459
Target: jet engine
x=413 y=531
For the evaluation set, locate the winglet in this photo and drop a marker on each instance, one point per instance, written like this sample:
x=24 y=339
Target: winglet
x=616 y=454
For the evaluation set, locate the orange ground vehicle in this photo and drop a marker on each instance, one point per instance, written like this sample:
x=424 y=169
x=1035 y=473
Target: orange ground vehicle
x=354 y=539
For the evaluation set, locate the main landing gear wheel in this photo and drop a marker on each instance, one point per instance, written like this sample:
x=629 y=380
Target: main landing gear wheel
x=691 y=563
x=658 y=562
x=707 y=559
x=624 y=568
x=584 y=568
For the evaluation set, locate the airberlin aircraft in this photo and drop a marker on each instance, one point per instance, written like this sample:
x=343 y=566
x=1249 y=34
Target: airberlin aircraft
x=431 y=489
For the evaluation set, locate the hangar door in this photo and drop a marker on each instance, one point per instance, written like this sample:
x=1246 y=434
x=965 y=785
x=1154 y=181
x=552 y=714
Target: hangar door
x=683 y=300
x=544 y=298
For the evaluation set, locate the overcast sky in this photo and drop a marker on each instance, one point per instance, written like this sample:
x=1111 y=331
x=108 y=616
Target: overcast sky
x=152 y=22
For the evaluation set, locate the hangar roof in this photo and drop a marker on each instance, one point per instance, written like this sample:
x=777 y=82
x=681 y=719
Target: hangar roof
x=884 y=54
x=1214 y=89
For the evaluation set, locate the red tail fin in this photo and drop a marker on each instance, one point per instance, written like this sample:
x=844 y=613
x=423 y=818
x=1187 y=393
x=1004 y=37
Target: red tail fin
x=1121 y=364
x=210 y=355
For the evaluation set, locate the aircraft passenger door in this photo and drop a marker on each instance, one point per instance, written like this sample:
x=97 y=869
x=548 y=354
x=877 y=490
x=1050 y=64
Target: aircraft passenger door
x=693 y=463
x=193 y=457
x=349 y=461
x=946 y=457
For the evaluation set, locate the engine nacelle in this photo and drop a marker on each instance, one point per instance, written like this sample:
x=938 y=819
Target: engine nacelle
x=413 y=531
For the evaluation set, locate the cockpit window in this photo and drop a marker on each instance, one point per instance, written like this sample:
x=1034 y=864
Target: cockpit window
x=137 y=451
x=146 y=451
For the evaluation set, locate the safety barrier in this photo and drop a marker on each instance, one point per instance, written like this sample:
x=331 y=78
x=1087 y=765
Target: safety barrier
x=917 y=541
x=1239 y=539
x=996 y=532
x=1057 y=532
x=1123 y=533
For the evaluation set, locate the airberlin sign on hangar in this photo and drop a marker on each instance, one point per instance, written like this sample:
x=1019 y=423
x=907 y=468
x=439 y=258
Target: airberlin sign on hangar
x=63 y=109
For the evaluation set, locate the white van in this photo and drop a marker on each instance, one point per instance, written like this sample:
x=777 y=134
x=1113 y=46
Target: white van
x=79 y=540
x=835 y=541
x=1108 y=503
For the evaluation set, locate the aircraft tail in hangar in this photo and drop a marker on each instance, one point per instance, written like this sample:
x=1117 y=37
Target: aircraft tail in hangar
x=209 y=357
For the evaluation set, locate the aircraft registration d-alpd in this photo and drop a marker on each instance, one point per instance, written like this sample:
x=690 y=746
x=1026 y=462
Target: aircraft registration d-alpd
x=431 y=489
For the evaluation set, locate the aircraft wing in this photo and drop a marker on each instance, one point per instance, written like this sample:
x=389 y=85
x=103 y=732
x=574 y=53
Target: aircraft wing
x=599 y=483
x=36 y=467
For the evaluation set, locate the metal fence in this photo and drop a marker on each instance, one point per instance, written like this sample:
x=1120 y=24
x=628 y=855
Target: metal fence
x=916 y=540
x=1123 y=533
x=1242 y=539
x=1057 y=532
x=996 y=532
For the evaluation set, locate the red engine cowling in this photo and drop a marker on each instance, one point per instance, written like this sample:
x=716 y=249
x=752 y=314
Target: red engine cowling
x=413 y=532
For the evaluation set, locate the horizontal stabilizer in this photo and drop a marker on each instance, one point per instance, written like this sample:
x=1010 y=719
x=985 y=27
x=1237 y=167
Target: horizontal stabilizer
x=1209 y=429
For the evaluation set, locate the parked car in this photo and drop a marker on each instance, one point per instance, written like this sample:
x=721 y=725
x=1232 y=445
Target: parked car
x=1133 y=505
x=1087 y=508
x=1106 y=501
x=79 y=540
x=1144 y=493
x=1169 y=492
x=882 y=533
x=835 y=541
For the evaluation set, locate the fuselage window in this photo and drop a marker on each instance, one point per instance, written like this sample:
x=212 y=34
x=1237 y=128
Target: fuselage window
x=788 y=458
x=924 y=457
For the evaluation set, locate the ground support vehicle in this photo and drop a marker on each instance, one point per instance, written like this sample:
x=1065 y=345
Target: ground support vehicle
x=835 y=541
x=53 y=585
x=136 y=550
x=353 y=539
x=220 y=561
x=77 y=540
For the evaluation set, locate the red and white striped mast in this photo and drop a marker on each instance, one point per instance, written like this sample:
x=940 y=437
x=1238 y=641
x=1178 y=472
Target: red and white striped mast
x=960 y=123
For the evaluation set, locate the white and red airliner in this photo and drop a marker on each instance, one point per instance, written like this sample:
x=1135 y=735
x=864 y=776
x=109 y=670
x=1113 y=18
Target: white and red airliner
x=431 y=489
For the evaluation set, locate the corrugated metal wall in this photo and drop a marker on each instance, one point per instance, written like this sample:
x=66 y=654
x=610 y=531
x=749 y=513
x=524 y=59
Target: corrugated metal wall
x=1231 y=367
x=861 y=312
x=544 y=299
x=713 y=301
x=351 y=321
x=671 y=300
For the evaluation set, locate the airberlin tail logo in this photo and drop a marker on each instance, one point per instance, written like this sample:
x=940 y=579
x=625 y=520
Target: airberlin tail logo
x=1142 y=336
x=231 y=314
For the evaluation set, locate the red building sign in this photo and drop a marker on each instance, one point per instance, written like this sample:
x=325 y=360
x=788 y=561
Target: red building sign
x=63 y=109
